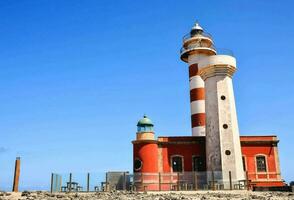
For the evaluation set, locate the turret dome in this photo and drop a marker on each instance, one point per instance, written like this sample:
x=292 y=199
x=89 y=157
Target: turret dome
x=145 y=121
x=145 y=125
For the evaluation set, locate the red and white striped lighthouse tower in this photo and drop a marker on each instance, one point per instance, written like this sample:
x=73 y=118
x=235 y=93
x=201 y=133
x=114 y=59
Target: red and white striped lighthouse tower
x=196 y=45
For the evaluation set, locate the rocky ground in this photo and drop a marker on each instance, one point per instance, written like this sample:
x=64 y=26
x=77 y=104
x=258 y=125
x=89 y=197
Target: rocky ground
x=199 y=195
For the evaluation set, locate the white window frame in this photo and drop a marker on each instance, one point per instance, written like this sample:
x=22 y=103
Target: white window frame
x=266 y=165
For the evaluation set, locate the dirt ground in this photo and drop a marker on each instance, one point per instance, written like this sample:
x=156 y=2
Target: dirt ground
x=199 y=195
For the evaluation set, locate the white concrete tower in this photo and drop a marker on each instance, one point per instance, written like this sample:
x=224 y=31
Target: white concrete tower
x=223 y=149
x=196 y=45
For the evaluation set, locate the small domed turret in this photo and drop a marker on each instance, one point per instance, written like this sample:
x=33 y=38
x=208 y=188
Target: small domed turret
x=145 y=125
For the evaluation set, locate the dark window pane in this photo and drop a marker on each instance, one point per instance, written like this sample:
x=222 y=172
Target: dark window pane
x=198 y=163
x=261 y=164
x=137 y=164
x=177 y=164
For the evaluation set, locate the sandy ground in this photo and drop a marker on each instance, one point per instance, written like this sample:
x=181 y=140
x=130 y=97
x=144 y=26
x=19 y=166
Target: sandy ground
x=199 y=195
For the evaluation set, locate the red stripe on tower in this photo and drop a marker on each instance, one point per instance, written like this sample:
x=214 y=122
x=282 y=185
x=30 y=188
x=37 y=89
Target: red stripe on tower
x=197 y=101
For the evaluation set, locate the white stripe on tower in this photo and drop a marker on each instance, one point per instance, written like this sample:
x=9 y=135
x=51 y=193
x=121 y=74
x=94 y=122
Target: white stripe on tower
x=197 y=100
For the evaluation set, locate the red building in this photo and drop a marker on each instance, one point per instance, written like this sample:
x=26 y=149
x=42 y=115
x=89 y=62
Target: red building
x=261 y=160
x=160 y=163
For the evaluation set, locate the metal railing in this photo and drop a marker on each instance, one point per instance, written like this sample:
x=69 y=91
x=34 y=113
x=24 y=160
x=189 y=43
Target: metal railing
x=219 y=51
x=206 y=180
x=195 y=46
x=264 y=176
x=204 y=34
x=162 y=181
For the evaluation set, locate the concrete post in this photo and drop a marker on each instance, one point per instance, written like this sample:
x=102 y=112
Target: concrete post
x=70 y=182
x=16 y=175
x=88 y=182
x=247 y=181
x=106 y=182
x=195 y=181
x=60 y=183
x=51 y=186
x=159 y=181
x=178 y=181
x=124 y=181
x=213 y=183
x=230 y=178
x=55 y=179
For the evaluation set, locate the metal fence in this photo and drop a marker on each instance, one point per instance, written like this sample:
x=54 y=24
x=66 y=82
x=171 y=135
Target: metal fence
x=123 y=180
x=208 y=180
x=91 y=182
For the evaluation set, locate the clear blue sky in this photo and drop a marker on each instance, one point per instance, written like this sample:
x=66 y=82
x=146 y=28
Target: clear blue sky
x=77 y=75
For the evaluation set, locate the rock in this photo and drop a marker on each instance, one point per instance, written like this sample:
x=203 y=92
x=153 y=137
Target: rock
x=25 y=193
x=131 y=195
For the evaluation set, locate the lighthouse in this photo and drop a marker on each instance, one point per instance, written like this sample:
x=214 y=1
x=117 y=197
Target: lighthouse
x=213 y=114
x=215 y=156
x=196 y=45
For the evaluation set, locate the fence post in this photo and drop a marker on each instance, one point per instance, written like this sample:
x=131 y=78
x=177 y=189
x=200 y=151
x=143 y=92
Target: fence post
x=213 y=184
x=60 y=183
x=55 y=179
x=159 y=180
x=88 y=182
x=178 y=181
x=107 y=189
x=247 y=180
x=70 y=182
x=230 y=178
x=51 y=186
x=195 y=181
x=124 y=181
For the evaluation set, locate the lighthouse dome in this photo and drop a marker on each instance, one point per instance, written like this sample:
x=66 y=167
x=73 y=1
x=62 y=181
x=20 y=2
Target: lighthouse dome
x=145 y=125
x=196 y=29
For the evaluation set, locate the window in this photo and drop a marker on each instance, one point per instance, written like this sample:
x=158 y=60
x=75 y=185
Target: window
x=145 y=129
x=223 y=97
x=260 y=164
x=225 y=126
x=198 y=163
x=177 y=164
x=244 y=164
x=137 y=164
x=228 y=152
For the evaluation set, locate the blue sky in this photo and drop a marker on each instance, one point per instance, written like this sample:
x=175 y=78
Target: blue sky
x=77 y=75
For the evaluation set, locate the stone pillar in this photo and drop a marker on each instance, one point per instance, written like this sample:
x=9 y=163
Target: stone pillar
x=16 y=175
